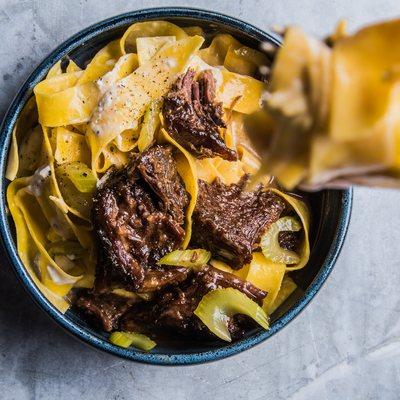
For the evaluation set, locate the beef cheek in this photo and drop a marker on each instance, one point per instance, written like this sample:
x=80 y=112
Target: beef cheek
x=138 y=217
x=104 y=310
x=229 y=221
x=173 y=309
x=194 y=119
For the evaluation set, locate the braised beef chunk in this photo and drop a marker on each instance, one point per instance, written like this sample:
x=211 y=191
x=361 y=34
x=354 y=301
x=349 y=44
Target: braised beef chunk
x=229 y=221
x=138 y=216
x=173 y=309
x=105 y=310
x=157 y=169
x=289 y=240
x=194 y=119
x=139 y=318
x=211 y=278
x=156 y=278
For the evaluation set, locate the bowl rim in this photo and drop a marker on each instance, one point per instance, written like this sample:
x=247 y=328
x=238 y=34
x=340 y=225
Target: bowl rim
x=9 y=245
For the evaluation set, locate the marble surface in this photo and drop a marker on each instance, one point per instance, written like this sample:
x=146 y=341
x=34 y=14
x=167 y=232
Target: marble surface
x=345 y=345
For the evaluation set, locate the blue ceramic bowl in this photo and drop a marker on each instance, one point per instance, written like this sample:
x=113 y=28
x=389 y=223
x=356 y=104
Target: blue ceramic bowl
x=331 y=209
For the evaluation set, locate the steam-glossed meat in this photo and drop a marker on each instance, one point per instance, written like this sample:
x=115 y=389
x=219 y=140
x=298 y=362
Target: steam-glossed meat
x=104 y=309
x=138 y=216
x=174 y=308
x=158 y=277
x=178 y=305
x=229 y=221
x=289 y=240
x=194 y=119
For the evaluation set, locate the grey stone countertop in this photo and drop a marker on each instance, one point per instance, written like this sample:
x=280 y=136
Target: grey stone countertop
x=345 y=345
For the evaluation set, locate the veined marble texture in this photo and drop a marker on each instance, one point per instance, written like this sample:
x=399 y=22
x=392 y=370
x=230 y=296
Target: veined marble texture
x=345 y=345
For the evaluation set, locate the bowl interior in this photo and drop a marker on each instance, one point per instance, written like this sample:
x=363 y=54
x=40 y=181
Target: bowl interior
x=330 y=209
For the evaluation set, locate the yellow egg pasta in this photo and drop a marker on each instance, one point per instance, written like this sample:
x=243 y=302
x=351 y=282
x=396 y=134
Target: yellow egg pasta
x=127 y=140
x=303 y=213
x=62 y=101
x=70 y=146
x=49 y=137
x=215 y=53
x=72 y=66
x=148 y=29
x=266 y=275
x=147 y=47
x=101 y=63
x=37 y=227
x=27 y=250
x=193 y=30
x=125 y=65
x=206 y=169
x=27 y=120
x=288 y=286
x=55 y=70
x=244 y=60
x=86 y=121
x=241 y=93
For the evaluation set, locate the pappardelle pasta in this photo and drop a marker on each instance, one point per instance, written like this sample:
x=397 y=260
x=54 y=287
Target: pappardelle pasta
x=129 y=189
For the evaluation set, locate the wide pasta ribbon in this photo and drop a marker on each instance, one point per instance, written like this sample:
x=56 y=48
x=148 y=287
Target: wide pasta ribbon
x=101 y=63
x=103 y=153
x=62 y=101
x=303 y=213
x=185 y=164
x=27 y=247
x=70 y=98
x=26 y=121
x=148 y=29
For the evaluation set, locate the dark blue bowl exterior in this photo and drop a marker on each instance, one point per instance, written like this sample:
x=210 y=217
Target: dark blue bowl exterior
x=337 y=205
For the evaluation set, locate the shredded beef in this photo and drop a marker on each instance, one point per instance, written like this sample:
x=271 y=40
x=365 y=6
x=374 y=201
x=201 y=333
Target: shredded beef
x=173 y=309
x=104 y=309
x=210 y=278
x=194 y=119
x=156 y=278
x=229 y=221
x=157 y=169
x=138 y=216
x=289 y=240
